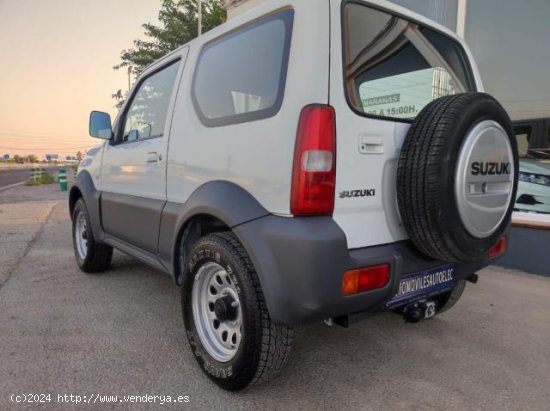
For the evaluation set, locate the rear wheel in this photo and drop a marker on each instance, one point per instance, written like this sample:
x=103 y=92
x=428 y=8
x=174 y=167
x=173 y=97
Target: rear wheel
x=447 y=300
x=226 y=318
x=91 y=256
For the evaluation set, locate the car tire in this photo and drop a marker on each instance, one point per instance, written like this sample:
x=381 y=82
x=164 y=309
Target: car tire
x=447 y=300
x=222 y=293
x=91 y=256
x=439 y=211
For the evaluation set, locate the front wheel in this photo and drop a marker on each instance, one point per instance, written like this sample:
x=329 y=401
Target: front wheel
x=226 y=319
x=91 y=256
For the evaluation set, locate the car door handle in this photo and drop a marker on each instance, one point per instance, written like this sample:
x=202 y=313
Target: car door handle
x=153 y=157
x=371 y=145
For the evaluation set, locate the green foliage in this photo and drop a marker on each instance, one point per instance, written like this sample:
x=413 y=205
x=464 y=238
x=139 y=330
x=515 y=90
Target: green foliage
x=31 y=158
x=43 y=179
x=178 y=24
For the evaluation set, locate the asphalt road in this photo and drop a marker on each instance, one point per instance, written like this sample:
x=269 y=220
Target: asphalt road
x=120 y=333
x=9 y=177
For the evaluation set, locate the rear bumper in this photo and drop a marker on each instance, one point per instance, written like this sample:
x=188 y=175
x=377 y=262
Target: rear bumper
x=300 y=263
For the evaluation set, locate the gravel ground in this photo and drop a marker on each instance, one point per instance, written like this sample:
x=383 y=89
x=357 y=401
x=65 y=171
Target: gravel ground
x=120 y=333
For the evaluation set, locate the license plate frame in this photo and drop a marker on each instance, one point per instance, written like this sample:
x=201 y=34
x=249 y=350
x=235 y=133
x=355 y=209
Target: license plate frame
x=424 y=284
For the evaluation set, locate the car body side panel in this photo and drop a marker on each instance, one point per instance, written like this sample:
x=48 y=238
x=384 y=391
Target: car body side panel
x=133 y=183
x=135 y=220
x=256 y=155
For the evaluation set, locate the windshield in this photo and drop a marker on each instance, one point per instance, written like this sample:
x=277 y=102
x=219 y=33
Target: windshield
x=395 y=67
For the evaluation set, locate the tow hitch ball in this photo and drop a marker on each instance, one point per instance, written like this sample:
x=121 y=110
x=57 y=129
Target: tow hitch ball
x=419 y=310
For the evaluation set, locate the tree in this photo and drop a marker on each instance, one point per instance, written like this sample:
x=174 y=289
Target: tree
x=178 y=25
x=18 y=159
x=31 y=158
x=79 y=156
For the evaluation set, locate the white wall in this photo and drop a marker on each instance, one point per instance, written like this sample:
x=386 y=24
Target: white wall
x=510 y=40
x=442 y=11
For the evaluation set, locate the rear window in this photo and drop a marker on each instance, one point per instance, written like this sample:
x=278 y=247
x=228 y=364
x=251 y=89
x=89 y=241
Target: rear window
x=395 y=67
x=241 y=76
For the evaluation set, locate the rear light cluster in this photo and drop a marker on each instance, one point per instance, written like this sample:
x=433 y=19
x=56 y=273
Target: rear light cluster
x=314 y=171
x=366 y=279
x=499 y=248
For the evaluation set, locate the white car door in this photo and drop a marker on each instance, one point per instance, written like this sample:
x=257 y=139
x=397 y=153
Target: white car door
x=134 y=161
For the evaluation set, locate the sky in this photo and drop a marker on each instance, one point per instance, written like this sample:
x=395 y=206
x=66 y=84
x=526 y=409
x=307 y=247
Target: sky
x=56 y=65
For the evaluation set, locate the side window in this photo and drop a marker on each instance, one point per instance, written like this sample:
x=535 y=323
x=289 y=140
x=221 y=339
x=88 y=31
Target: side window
x=523 y=136
x=146 y=115
x=395 y=67
x=241 y=76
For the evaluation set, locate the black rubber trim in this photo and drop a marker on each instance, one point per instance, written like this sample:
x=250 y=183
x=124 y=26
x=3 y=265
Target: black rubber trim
x=135 y=220
x=84 y=185
x=136 y=252
x=228 y=202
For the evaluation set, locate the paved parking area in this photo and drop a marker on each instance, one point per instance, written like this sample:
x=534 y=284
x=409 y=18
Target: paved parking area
x=120 y=333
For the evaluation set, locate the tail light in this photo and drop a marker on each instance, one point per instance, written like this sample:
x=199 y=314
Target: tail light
x=499 y=248
x=314 y=172
x=365 y=279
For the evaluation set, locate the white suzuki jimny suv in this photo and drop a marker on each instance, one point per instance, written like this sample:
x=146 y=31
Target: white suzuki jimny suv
x=307 y=160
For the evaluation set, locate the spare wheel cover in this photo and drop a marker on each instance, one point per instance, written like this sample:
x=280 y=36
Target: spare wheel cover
x=484 y=178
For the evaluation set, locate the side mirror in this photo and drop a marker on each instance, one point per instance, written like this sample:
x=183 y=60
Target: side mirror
x=100 y=125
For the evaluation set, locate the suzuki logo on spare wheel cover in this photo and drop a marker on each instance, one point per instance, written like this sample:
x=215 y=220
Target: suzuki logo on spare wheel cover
x=484 y=178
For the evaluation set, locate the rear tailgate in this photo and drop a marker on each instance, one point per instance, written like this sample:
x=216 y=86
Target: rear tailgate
x=384 y=70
